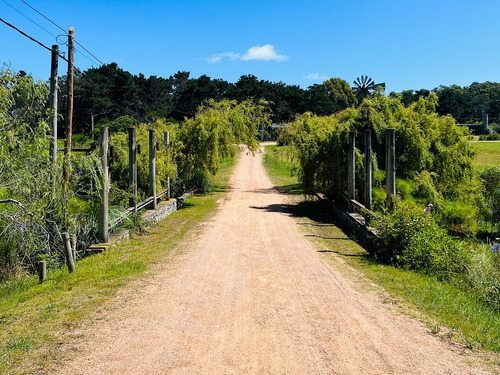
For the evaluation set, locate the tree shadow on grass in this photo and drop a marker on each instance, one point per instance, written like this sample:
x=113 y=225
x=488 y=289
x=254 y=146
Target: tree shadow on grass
x=292 y=189
x=359 y=255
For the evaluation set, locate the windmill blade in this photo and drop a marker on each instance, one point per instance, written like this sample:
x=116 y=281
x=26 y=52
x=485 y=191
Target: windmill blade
x=370 y=82
x=371 y=87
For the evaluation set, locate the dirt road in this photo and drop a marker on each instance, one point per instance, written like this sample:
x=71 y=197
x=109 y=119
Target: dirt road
x=253 y=297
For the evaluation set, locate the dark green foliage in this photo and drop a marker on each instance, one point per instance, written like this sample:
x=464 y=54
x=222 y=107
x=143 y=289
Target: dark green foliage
x=466 y=104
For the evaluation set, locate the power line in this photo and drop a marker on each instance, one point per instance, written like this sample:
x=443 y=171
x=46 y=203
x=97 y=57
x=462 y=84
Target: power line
x=85 y=55
x=48 y=19
x=25 y=16
x=55 y=24
x=90 y=53
x=82 y=75
x=29 y=37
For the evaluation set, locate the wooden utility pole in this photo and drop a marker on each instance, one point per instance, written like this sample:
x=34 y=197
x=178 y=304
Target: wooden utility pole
x=103 y=211
x=53 y=103
x=69 y=122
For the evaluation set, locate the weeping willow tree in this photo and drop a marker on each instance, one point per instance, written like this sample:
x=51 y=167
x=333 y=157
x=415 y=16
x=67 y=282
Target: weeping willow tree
x=215 y=133
x=30 y=185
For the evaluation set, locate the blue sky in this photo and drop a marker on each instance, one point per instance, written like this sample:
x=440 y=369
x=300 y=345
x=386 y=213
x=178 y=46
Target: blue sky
x=407 y=44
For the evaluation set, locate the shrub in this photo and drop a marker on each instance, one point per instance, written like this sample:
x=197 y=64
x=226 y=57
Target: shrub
x=411 y=239
x=489 y=137
x=484 y=275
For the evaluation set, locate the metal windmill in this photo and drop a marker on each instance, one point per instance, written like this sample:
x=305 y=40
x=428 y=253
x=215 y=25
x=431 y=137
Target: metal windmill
x=364 y=86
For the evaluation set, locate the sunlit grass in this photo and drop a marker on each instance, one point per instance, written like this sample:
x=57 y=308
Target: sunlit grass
x=281 y=170
x=488 y=153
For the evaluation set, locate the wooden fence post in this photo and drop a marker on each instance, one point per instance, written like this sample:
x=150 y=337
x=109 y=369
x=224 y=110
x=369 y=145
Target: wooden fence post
x=152 y=168
x=53 y=103
x=390 y=163
x=73 y=246
x=42 y=271
x=166 y=139
x=132 y=166
x=103 y=211
x=368 y=169
x=70 y=262
x=351 y=170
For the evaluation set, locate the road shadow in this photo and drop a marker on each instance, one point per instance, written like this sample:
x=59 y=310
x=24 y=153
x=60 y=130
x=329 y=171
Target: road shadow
x=316 y=211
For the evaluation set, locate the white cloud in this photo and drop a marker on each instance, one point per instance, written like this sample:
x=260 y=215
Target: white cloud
x=266 y=52
x=316 y=76
x=217 y=58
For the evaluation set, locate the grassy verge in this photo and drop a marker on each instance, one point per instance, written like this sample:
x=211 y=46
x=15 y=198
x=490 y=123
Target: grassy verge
x=34 y=317
x=445 y=308
x=280 y=167
x=488 y=154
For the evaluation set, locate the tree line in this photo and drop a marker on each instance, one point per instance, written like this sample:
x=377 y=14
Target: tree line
x=109 y=92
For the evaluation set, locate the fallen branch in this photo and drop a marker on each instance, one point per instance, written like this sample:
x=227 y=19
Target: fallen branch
x=16 y=203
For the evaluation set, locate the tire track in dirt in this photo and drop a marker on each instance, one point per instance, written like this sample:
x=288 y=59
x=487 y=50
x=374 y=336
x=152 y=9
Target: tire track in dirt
x=251 y=296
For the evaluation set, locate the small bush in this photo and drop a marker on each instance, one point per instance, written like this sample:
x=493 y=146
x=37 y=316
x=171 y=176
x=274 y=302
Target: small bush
x=484 y=275
x=411 y=239
x=489 y=137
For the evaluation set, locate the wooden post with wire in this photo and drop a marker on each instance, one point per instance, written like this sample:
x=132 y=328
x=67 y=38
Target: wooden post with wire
x=42 y=271
x=390 y=164
x=351 y=170
x=368 y=169
x=152 y=168
x=69 y=122
x=132 y=166
x=70 y=261
x=103 y=209
x=166 y=139
x=53 y=103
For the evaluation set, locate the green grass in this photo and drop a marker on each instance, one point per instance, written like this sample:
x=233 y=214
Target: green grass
x=488 y=154
x=280 y=168
x=447 y=309
x=35 y=317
